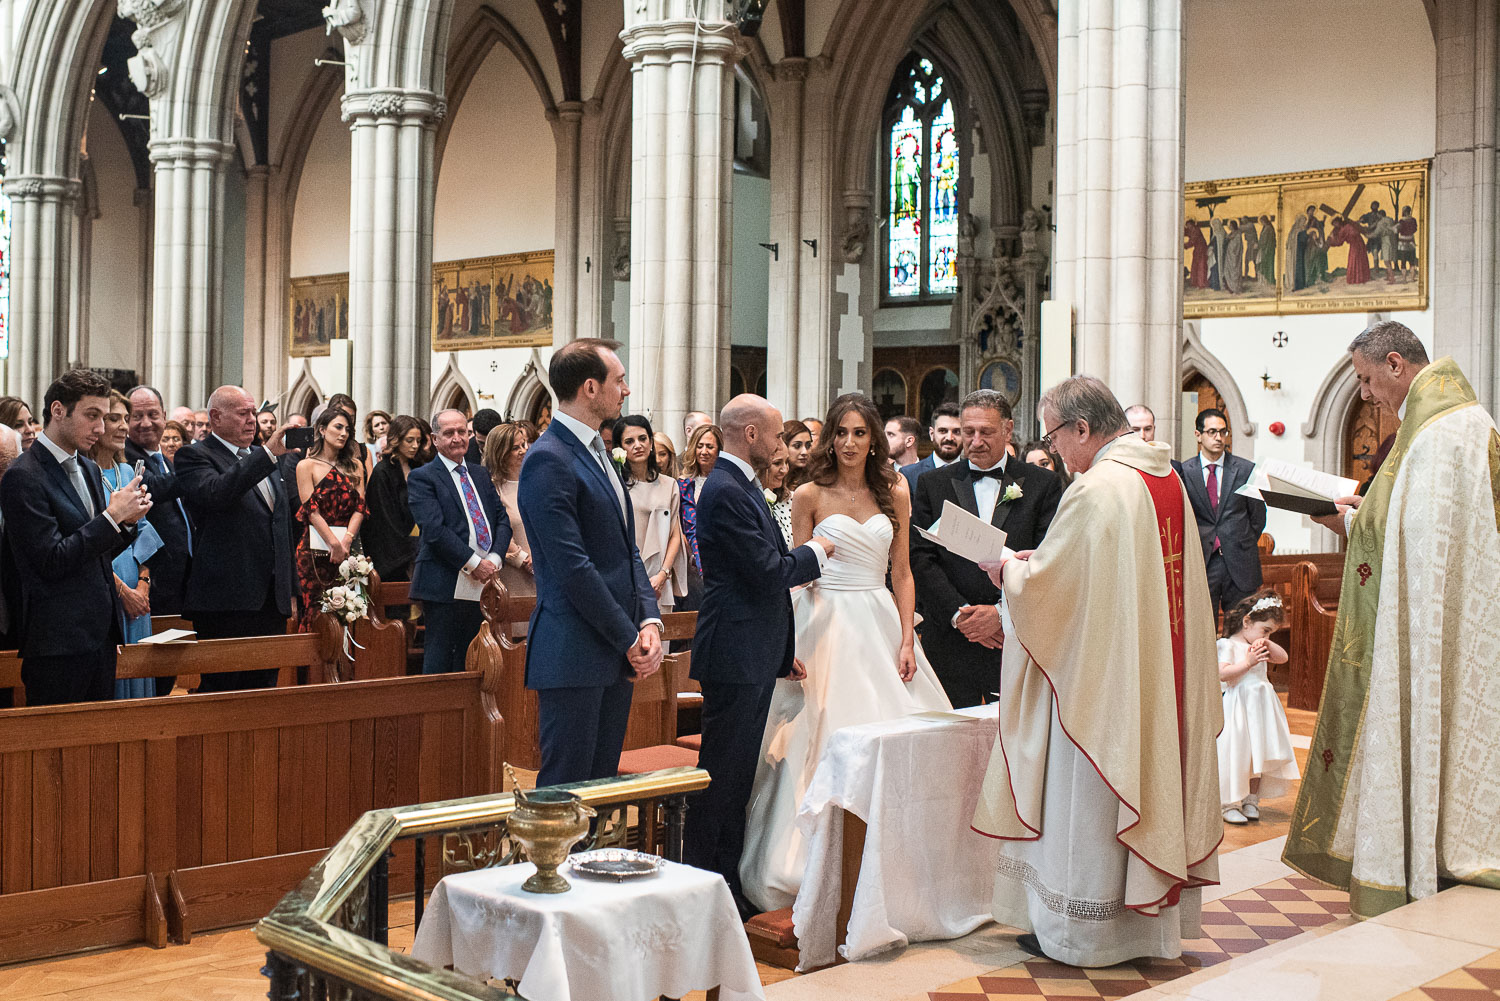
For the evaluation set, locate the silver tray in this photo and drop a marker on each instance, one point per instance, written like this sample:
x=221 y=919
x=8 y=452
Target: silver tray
x=618 y=864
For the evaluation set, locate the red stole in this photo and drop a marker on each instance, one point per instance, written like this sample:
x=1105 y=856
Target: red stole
x=1166 y=497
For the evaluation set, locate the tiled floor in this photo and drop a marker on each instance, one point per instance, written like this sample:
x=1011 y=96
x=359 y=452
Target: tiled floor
x=1476 y=981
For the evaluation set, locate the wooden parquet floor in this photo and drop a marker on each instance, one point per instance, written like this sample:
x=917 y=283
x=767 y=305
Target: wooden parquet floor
x=225 y=966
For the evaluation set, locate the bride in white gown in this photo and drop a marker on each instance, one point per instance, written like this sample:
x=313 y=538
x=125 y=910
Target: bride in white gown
x=855 y=642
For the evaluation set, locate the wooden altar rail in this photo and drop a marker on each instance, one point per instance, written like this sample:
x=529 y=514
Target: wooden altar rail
x=1314 y=608
x=495 y=650
x=150 y=819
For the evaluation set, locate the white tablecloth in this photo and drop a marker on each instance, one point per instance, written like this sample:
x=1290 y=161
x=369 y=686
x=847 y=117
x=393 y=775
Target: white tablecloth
x=668 y=934
x=925 y=874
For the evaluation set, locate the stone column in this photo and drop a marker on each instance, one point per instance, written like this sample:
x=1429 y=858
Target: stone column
x=1464 y=278
x=188 y=268
x=1119 y=196
x=392 y=186
x=681 y=163
x=567 y=268
x=41 y=242
x=262 y=373
x=783 y=337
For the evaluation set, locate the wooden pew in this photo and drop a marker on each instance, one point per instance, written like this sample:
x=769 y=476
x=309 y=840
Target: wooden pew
x=1314 y=609
x=155 y=818
x=389 y=644
x=653 y=711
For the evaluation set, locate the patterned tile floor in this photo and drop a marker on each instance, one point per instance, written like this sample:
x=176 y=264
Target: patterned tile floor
x=1478 y=981
x=1232 y=926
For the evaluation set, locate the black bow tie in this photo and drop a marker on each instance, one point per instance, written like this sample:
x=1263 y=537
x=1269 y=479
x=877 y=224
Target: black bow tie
x=997 y=473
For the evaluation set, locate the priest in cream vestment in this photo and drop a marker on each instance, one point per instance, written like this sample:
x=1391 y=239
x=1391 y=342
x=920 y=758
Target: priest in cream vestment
x=1104 y=782
x=1401 y=794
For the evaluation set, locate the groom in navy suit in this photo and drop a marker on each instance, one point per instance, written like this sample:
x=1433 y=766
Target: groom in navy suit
x=595 y=630
x=744 y=640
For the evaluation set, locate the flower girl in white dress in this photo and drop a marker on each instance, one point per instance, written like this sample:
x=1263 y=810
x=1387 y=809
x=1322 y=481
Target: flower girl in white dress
x=1255 y=747
x=855 y=642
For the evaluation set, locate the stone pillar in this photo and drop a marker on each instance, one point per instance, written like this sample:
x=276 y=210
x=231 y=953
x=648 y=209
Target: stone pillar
x=262 y=374
x=567 y=268
x=1465 y=219
x=784 y=367
x=681 y=164
x=392 y=186
x=41 y=242
x=1119 y=196
x=188 y=268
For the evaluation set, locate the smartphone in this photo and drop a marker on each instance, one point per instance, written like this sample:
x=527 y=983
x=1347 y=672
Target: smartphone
x=300 y=438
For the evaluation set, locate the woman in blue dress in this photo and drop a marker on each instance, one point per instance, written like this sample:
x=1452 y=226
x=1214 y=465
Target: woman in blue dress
x=132 y=576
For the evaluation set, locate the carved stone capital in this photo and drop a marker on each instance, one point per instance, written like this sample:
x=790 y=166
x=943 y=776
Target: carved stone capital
x=399 y=105
x=387 y=105
x=42 y=188
x=856 y=226
x=148 y=14
x=347 y=17
x=148 y=71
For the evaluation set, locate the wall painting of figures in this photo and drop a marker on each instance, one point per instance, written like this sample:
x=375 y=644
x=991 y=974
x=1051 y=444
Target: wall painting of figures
x=492 y=302
x=1346 y=240
x=318 y=313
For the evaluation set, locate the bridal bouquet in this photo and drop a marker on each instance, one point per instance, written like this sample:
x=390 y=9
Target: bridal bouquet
x=349 y=599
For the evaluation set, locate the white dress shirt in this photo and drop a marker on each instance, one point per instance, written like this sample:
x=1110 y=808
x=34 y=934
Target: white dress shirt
x=588 y=436
x=79 y=483
x=748 y=472
x=987 y=489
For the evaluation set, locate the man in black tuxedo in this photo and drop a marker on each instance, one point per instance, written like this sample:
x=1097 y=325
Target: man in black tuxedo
x=62 y=536
x=947 y=437
x=239 y=583
x=745 y=634
x=1229 y=525
x=169 y=566
x=960 y=605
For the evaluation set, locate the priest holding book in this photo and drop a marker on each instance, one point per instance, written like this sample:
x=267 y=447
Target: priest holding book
x=1402 y=792
x=1104 y=782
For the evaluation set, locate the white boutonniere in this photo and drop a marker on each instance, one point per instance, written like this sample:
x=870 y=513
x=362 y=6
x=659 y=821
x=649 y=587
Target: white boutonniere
x=769 y=496
x=1012 y=493
x=619 y=456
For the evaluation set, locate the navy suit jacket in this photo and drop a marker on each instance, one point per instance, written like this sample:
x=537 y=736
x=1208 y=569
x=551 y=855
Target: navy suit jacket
x=68 y=605
x=912 y=471
x=241 y=548
x=1237 y=523
x=592 y=591
x=440 y=514
x=745 y=633
x=169 y=566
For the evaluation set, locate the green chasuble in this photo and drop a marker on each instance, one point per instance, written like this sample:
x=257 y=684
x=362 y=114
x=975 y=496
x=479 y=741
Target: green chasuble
x=1401 y=781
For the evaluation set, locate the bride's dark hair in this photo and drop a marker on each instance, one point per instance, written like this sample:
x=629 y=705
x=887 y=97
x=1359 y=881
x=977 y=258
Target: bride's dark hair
x=823 y=463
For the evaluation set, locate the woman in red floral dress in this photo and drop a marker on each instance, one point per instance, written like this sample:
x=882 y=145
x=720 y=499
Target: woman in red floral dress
x=331 y=486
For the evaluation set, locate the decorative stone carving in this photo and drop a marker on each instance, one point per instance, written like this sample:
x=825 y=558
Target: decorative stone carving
x=968 y=230
x=10 y=112
x=387 y=105
x=347 y=17
x=148 y=71
x=621 y=261
x=26 y=187
x=1031 y=232
x=440 y=111
x=856 y=232
x=148 y=14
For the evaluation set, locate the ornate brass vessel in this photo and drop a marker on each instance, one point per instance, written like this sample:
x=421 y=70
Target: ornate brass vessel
x=548 y=823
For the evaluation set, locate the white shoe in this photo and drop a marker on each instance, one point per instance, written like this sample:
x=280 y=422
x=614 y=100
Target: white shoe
x=1250 y=809
x=1234 y=816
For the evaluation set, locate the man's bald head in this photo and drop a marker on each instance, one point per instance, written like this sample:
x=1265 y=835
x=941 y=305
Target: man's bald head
x=751 y=427
x=231 y=415
x=1142 y=420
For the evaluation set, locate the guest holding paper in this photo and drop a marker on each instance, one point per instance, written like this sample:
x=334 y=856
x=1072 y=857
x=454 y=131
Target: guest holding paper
x=1229 y=525
x=331 y=486
x=960 y=605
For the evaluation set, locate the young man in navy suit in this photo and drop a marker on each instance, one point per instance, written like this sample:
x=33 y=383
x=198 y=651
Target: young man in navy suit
x=596 y=629
x=464 y=535
x=745 y=635
x=63 y=536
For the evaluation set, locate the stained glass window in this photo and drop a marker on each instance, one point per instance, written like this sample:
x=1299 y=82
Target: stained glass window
x=922 y=169
x=4 y=262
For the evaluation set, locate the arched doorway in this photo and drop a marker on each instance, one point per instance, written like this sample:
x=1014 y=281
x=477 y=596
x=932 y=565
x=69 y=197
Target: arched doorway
x=1369 y=425
x=1199 y=394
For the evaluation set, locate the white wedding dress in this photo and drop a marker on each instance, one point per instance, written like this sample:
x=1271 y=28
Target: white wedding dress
x=848 y=638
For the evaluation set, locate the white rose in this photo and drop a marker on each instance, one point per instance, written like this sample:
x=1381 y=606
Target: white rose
x=769 y=496
x=363 y=566
x=1012 y=493
x=618 y=455
x=345 y=566
x=334 y=598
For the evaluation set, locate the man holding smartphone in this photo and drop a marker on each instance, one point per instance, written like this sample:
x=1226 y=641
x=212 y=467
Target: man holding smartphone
x=240 y=583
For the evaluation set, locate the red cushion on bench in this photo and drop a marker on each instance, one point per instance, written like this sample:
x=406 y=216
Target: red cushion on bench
x=650 y=759
x=775 y=927
x=692 y=741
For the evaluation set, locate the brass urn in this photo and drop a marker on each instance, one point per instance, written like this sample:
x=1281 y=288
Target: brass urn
x=548 y=823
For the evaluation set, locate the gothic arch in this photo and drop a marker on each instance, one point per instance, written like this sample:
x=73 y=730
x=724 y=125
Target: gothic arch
x=530 y=388
x=1328 y=418
x=1197 y=358
x=304 y=394
x=486 y=29
x=451 y=385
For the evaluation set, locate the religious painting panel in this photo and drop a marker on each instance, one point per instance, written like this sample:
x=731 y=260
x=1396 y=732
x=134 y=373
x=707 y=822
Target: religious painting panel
x=1229 y=249
x=318 y=313
x=492 y=302
x=1346 y=240
x=1004 y=377
x=905 y=277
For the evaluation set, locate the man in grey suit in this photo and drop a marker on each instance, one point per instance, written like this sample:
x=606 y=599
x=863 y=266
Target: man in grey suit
x=947 y=444
x=1229 y=525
